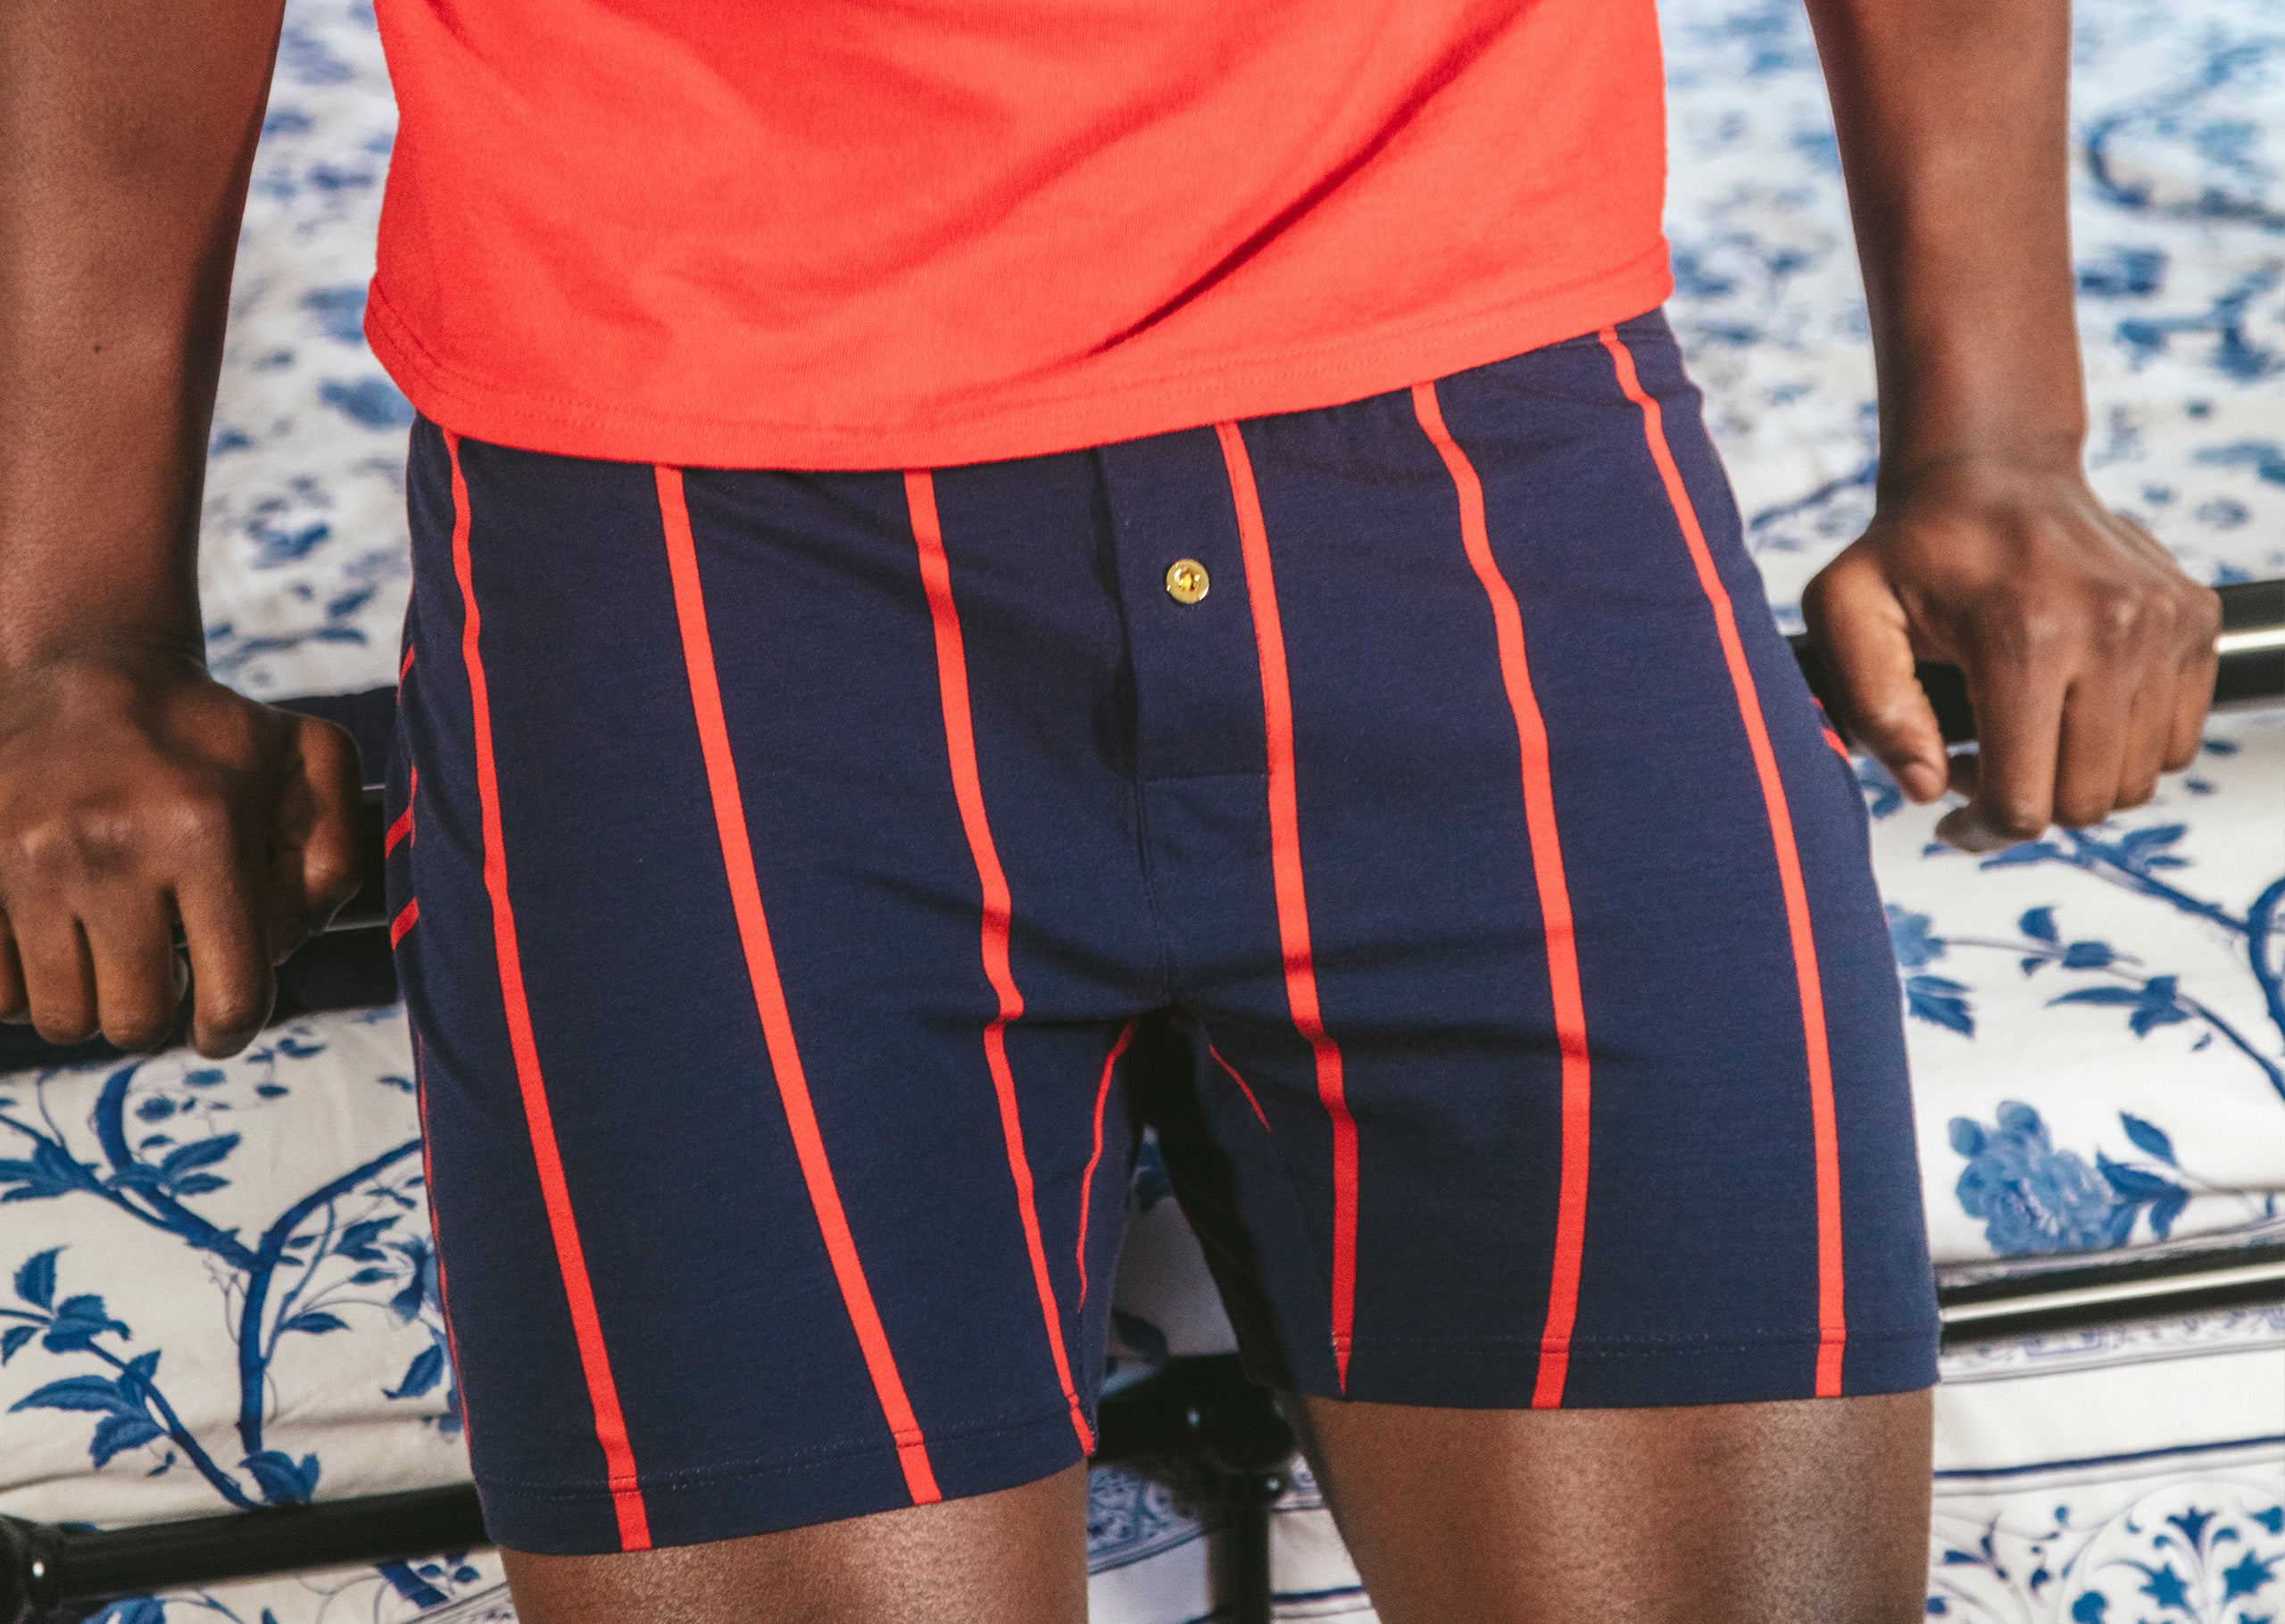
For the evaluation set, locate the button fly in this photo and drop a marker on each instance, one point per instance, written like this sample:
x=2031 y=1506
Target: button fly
x=1187 y=580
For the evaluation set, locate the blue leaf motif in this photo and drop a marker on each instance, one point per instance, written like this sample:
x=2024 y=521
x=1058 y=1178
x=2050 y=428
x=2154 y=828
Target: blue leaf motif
x=2153 y=1005
x=2038 y=923
x=2249 y=1575
x=198 y=1153
x=427 y=1369
x=2143 y=848
x=1940 y=1001
x=282 y=1482
x=95 y=1393
x=77 y=1324
x=2087 y=955
x=317 y=1322
x=358 y=1239
x=2166 y=1587
x=115 y=1433
x=51 y=1171
x=2164 y=1210
x=2132 y=1182
x=2149 y=1137
x=1915 y=945
x=1967 y=1136
x=12 y=1339
x=2090 y=1609
x=36 y=1279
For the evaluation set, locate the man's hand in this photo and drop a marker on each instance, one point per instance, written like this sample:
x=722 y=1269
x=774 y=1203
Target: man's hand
x=2089 y=654
x=137 y=796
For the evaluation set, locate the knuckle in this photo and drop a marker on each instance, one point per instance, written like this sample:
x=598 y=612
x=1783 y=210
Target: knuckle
x=200 y=821
x=332 y=883
x=2116 y=620
x=88 y=840
x=2022 y=630
x=2204 y=618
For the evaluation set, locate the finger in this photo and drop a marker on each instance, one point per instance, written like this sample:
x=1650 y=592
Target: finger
x=2193 y=699
x=59 y=984
x=14 y=1010
x=232 y=988
x=2092 y=760
x=328 y=841
x=1860 y=629
x=133 y=957
x=2018 y=718
x=2149 y=729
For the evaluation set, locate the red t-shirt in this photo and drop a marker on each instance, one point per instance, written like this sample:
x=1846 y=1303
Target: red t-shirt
x=898 y=233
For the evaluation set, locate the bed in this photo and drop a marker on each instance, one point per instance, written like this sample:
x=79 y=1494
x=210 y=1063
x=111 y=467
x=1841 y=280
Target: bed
x=216 y=1290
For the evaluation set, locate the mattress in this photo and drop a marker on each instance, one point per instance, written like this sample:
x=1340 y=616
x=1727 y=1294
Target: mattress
x=215 y=1282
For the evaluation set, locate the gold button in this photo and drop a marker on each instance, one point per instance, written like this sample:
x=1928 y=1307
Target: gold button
x=1187 y=581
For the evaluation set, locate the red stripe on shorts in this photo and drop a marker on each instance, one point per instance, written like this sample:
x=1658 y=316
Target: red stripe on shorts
x=968 y=791
x=1832 y=1330
x=770 y=993
x=1554 y=906
x=1232 y=1071
x=1095 y=1157
x=1292 y=899
x=571 y=1259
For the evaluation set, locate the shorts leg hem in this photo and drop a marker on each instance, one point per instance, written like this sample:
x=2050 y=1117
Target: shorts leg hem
x=696 y=1504
x=1639 y=1375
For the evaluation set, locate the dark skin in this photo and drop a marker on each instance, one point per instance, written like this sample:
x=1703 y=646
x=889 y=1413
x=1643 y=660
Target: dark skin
x=138 y=797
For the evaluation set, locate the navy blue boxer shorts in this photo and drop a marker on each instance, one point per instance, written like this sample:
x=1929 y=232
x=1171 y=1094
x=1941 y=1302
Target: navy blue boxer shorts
x=781 y=862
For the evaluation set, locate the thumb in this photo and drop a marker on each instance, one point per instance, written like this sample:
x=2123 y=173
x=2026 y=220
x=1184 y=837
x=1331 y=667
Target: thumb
x=1859 y=628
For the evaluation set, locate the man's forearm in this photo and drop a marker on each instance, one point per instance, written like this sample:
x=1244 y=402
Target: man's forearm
x=129 y=129
x=1953 y=119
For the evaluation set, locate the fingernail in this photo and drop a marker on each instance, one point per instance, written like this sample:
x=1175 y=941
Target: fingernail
x=1923 y=781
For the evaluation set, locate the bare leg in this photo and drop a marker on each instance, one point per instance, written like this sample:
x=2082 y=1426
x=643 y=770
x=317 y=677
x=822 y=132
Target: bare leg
x=1812 y=1512
x=1016 y=1557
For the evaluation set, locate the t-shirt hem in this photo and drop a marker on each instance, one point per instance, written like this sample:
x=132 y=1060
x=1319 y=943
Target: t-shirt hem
x=1303 y=379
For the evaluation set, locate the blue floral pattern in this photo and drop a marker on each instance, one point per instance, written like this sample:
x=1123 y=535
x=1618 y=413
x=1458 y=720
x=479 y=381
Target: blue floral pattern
x=2137 y=973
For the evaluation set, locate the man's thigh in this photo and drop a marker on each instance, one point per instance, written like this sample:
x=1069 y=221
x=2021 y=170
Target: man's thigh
x=1799 y=1511
x=1017 y=1556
